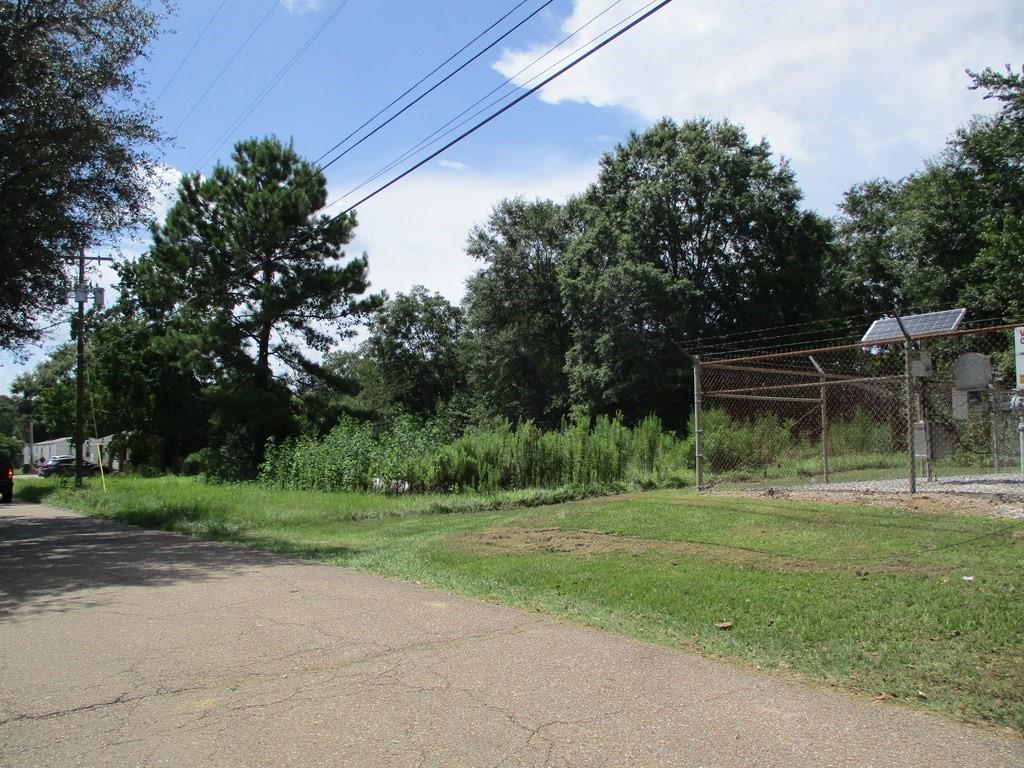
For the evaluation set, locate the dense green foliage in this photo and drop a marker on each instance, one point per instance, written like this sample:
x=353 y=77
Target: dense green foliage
x=484 y=459
x=244 y=276
x=11 y=450
x=138 y=390
x=76 y=144
x=868 y=599
x=517 y=332
x=577 y=311
x=949 y=235
x=413 y=345
x=690 y=229
x=49 y=391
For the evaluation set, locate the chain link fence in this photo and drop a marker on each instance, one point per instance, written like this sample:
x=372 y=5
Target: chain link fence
x=944 y=405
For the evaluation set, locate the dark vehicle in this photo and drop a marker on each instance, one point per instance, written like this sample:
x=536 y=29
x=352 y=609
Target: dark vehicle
x=64 y=466
x=7 y=483
x=51 y=460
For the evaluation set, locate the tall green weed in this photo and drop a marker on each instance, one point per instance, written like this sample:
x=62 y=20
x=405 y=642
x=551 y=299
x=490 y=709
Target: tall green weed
x=485 y=458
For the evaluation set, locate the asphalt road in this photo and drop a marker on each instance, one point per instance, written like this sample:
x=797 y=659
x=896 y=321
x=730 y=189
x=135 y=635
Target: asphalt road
x=124 y=647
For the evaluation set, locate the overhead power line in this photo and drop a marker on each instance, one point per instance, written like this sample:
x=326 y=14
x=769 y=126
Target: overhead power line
x=432 y=88
x=190 y=51
x=225 y=68
x=488 y=119
x=431 y=138
x=445 y=130
x=419 y=82
x=271 y=85
x=493 y=116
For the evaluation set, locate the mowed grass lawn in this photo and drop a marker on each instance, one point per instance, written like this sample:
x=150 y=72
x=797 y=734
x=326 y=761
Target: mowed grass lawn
x=923 y=608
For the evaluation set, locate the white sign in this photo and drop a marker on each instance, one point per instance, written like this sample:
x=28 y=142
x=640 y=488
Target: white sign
x=1018 y=348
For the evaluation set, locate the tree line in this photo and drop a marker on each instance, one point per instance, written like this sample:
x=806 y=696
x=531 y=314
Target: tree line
x=230 y=330
x=226 y=332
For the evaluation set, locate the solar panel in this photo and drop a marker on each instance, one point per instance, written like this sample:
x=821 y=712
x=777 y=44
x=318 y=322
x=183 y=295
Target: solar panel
x=928 y=324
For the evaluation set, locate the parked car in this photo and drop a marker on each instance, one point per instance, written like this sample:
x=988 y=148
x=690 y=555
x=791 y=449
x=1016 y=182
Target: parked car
x=64 y=466
x=54 y=460
x=7 y=483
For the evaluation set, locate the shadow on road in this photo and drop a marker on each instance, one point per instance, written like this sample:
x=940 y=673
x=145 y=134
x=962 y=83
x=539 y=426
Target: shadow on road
x=46 y=561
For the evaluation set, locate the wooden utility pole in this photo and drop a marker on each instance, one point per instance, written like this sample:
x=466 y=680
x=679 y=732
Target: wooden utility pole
x=81 y=294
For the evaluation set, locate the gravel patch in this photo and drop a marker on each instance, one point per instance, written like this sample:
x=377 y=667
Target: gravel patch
x=996 y=495
x=992 y=485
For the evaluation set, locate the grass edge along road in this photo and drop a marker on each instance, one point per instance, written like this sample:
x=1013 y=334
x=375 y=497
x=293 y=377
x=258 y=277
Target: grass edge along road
x=919 y=607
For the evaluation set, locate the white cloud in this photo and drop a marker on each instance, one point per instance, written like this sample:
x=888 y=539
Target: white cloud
x=301 y=6
x=163 y=190
x=814 y=76
x=415 y=232
x=453 y=165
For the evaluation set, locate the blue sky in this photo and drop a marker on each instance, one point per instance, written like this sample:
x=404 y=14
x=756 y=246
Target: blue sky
x=845 y=91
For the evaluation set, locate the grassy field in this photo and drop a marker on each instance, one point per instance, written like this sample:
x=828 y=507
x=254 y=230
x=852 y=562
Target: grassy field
x=864 y=599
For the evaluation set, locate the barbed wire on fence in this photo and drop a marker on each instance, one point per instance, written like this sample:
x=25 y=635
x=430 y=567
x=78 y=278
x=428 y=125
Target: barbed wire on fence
x=855 y=410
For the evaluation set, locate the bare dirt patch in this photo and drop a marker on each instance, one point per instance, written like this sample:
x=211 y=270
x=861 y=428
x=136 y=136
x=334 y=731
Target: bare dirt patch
x=589 y=543
x=524 y=541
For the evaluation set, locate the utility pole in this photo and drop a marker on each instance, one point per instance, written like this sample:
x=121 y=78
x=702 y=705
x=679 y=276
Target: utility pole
x=81 y=293
x=31 y=433
x=81 y=297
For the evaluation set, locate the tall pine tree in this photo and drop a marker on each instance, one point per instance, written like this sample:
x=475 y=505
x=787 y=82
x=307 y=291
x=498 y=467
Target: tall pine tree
x=245 y=278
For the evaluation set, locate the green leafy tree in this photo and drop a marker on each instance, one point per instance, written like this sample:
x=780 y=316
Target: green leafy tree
x=52 y=386
x=993 y=150
x=865 y=271
x=949 y=235
x=413 y=344
x=10 y=444
x=347 y=387
x=76 y=144
x=138 y=390
x=9 y=415
x=25 y=403
x=689 y=230
x=11 y=450
x=246 y=277
x=517 y=330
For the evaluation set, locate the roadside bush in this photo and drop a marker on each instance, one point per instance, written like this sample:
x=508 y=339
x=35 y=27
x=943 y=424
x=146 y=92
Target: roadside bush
x=861 y=433
x=730 y=445
x=486 y=458
x=196 y=463
x=11 y=449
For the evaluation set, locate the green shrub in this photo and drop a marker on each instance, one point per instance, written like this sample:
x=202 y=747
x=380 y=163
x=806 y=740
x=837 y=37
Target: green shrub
x=11 y=449
x=486 y=458
x=196 y=463
x=861 y=433
x=729 y=445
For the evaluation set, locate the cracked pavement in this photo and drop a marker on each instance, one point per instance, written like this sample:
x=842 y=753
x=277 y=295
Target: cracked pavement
x=126 y=647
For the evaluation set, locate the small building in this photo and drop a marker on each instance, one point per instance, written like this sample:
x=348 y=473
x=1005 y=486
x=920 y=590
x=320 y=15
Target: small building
x=92 y=450
x=41 y=451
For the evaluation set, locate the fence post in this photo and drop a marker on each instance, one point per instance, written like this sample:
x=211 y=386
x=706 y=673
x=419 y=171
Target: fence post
x=910 y=417
x=994 y=429
x=1020 y=445
x=698 y=432
x=823 y=399
x=824 y=430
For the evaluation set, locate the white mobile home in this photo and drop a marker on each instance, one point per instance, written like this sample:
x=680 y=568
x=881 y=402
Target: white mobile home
x=64 y=446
